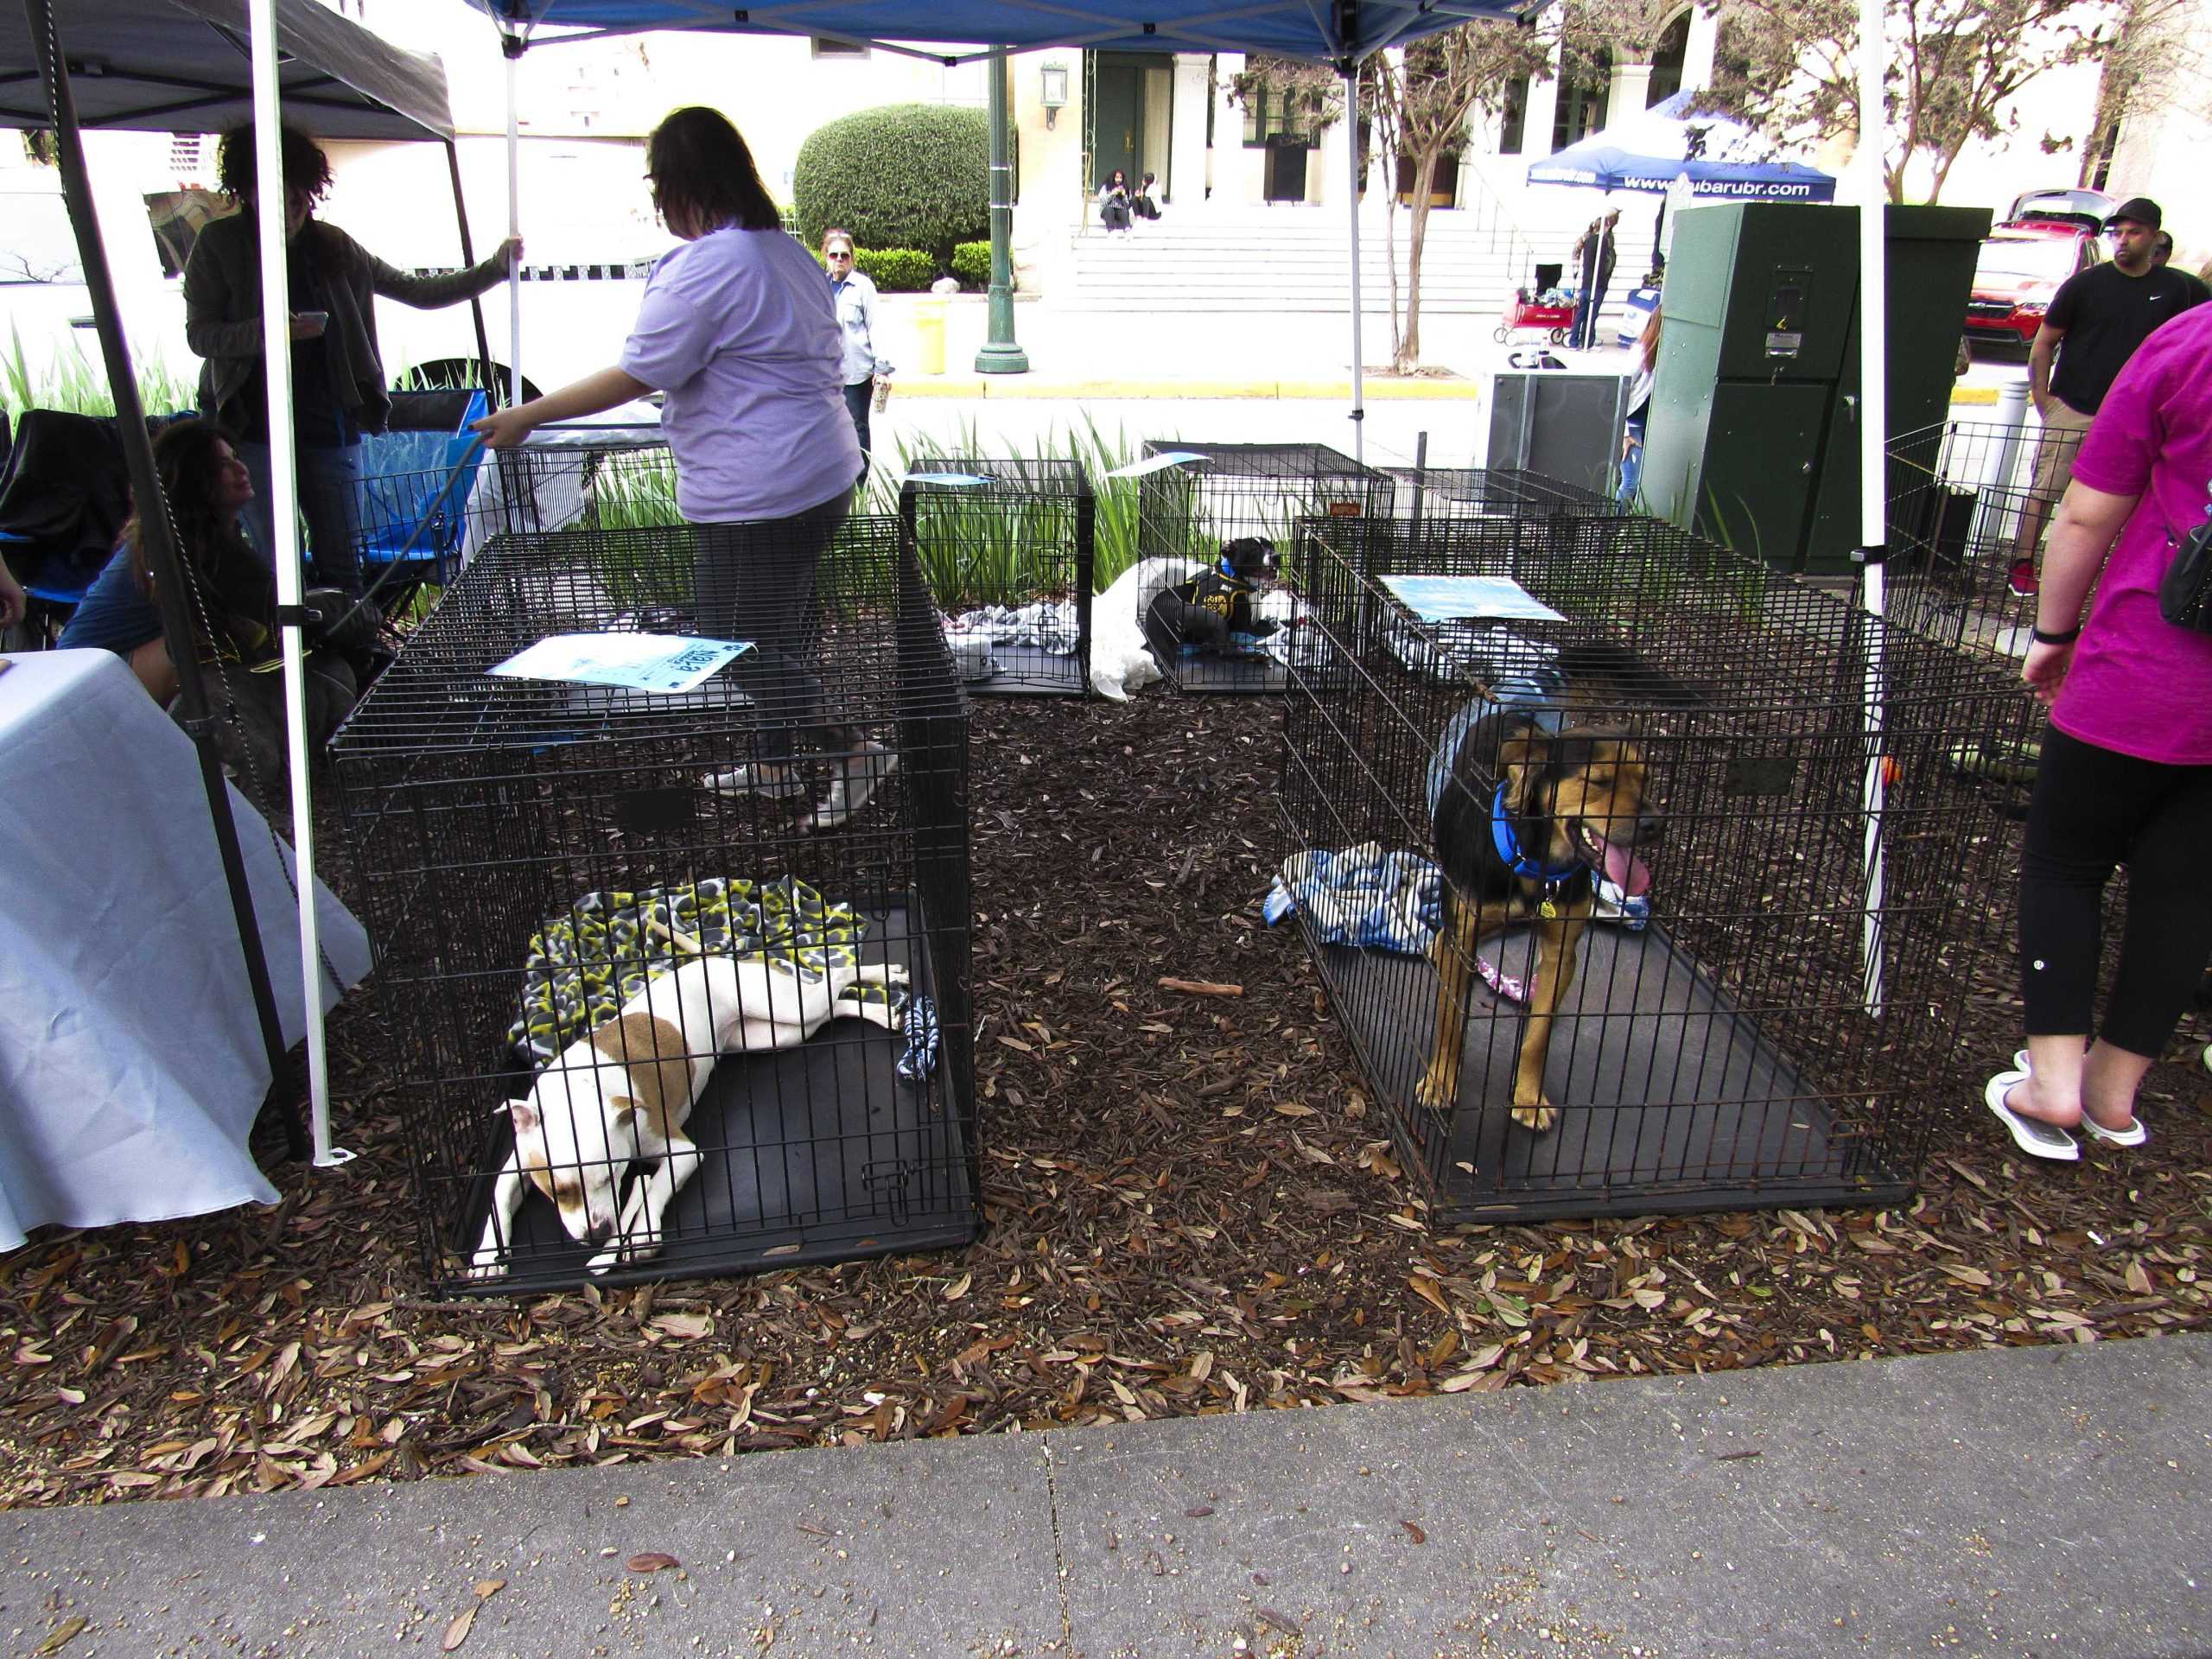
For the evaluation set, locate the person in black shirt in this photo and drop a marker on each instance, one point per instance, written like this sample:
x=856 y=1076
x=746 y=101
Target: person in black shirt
x=2162 y=253
x=2097 y=319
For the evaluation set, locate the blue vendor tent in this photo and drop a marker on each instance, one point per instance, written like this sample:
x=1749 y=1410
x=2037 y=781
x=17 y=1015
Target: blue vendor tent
x=1722 y=160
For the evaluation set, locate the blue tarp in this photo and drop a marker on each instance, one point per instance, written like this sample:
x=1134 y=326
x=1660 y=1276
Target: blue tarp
x=1723 y=160
x=1320 y=30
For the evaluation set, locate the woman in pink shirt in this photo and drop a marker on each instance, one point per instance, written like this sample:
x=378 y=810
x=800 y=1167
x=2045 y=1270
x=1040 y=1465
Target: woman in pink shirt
x=2125 y=776
x=738 y=331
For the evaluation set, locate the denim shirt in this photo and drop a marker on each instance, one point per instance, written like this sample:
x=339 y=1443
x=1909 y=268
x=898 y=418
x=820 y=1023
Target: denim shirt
x=856 y=324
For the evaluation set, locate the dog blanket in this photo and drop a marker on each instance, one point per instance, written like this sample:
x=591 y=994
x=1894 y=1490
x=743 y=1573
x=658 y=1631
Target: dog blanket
x=1364 y=896
x=585 y=964
x=1049 y=626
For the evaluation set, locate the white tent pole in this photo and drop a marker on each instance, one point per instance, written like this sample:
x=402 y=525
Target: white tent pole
x=1351 y=214
x=1873 y=429
x=512 y=45
x=284 y=514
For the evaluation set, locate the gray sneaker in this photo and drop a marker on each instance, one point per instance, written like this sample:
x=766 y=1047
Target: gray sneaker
x=767 y=779
x=853 y=781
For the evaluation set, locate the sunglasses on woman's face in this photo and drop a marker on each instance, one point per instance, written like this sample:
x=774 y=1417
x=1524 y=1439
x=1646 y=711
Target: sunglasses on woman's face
x=838 y=253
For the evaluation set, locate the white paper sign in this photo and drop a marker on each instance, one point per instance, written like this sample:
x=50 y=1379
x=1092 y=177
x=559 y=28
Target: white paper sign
x=948 y=480
x=1156 y=463
x=1455 y=599
x=636 y=662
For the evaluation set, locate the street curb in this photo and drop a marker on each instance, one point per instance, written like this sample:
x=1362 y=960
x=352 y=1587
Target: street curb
x=1001 y=385
x=975 y=388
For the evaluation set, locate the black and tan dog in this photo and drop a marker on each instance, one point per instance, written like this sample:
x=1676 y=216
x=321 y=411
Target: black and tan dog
x=1525 y=817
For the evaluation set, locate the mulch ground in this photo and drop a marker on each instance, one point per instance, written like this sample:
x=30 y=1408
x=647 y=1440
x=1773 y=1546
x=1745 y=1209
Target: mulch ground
x=1191 y=1206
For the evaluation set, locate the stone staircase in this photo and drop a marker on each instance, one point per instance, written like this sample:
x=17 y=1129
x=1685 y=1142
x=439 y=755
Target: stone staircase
x=1291 y=259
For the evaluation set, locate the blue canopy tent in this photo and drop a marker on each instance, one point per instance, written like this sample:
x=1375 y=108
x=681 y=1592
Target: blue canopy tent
x=1338 y=33
x=1723 y=160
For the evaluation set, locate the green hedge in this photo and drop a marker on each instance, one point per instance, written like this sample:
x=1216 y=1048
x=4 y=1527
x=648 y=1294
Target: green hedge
x=905 y=176
x=894 y=270
x=971 y=264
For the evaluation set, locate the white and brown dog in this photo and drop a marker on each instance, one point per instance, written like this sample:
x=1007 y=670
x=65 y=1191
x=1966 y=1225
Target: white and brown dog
x=623 y=1094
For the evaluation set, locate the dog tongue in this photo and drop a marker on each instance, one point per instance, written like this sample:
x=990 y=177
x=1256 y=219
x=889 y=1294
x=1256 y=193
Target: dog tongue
x=1624 y=870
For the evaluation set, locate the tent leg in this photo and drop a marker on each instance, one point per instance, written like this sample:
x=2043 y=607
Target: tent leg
x=512 y=46
x=1352 y=211
x=468 y=258
x=169 y=588
x=1873 y=429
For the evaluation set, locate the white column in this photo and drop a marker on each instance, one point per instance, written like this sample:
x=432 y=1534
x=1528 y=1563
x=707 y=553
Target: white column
x=1186 y=144
x=1543 y=103
x=1624 y=99
x=1697 y=56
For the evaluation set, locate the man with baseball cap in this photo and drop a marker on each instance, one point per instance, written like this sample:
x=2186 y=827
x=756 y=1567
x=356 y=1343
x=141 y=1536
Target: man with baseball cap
x=2095 y=321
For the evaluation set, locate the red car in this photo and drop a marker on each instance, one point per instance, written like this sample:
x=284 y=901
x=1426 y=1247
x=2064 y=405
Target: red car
x=2023 y=262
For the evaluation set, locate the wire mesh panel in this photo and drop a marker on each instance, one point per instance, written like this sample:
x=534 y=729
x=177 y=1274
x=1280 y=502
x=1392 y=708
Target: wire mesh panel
x=1652 y=990
x=1223 y=516
x=1970 y=504
x=1486 y=492
x=583 y=894
x=1007 y=547
x=419 y=525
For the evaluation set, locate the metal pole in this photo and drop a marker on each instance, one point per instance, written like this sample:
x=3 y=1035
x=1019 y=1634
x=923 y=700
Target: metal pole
x=1873 y=432
x=283 y=478
x=468 y=258
x=1359 y=382
x=162 y=553
x=512 y=46
x=1001 y=355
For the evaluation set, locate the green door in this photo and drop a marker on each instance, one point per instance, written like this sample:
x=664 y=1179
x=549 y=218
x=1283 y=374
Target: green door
x=1116 y=119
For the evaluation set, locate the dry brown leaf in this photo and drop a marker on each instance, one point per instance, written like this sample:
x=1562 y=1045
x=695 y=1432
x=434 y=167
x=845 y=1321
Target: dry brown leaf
x=1291 y=1109
x=1427 y=1291
x=66 y=1632
x=652 y=1560
x=487 y=1588
x=685 y=1327
x=457 y=1633
x=959 y=1286
x=1414 y=1532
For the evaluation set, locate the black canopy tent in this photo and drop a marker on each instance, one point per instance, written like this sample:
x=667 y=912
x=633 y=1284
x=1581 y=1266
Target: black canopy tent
x=186 y=65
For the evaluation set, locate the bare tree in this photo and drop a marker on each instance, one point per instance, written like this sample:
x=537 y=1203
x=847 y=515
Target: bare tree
x=1789 y=67
x=1417 y=104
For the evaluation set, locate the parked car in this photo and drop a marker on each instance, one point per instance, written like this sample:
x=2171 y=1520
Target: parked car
x=2087 y=208
x=2022 y=263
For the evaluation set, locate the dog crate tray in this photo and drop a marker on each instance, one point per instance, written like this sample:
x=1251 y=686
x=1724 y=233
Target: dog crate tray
x=813 y=1154
x=1029 y=671
x=1670 y=1098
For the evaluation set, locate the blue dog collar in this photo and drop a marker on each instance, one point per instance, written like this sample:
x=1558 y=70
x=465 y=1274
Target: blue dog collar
x=1509 y=847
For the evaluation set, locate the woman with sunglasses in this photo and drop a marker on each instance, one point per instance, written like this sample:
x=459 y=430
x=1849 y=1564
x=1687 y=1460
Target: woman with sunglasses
x=867 y=372
x=739 y=332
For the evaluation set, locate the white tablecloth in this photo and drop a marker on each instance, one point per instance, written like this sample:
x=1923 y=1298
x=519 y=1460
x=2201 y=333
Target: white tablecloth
x=131 y=1065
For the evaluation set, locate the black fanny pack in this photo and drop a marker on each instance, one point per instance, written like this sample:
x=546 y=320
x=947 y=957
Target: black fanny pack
x=2185 y=592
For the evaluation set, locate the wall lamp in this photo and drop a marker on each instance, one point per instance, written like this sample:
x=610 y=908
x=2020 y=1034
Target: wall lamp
x=1052 y=92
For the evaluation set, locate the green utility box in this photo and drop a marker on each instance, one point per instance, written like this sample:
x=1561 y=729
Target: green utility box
x=1753 y=439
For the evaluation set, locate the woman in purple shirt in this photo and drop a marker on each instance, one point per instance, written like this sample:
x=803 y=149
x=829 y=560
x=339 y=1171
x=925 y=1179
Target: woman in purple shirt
x=738 y=330
x=2125 y=776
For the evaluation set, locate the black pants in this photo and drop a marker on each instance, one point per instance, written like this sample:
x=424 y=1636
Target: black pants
x=755 y=580
x=2093 y=810
x=856 y=405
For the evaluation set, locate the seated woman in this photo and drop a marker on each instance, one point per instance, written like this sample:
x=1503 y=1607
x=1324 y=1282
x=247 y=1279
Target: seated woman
x=1113 y=201
x=208 y=486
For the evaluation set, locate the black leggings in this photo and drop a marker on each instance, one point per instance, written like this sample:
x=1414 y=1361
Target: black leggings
x=2092 y=810
x=755 y=580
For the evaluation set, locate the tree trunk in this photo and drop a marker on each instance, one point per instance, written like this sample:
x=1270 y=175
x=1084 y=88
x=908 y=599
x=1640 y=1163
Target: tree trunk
x=1408 y=356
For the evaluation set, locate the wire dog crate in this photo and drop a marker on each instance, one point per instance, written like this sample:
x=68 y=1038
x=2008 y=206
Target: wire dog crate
x=1969 y=504
x=420 y=523
x=537 y=857
x=1486 y=492
x=1195 y=509
x=1008 y=548
x=1713 y=1044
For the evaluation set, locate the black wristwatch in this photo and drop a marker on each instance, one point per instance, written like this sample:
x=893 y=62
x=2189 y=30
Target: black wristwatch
x=2065 y=638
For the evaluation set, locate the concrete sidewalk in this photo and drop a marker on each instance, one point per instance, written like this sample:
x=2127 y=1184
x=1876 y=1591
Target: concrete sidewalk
x=2030 y=1501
